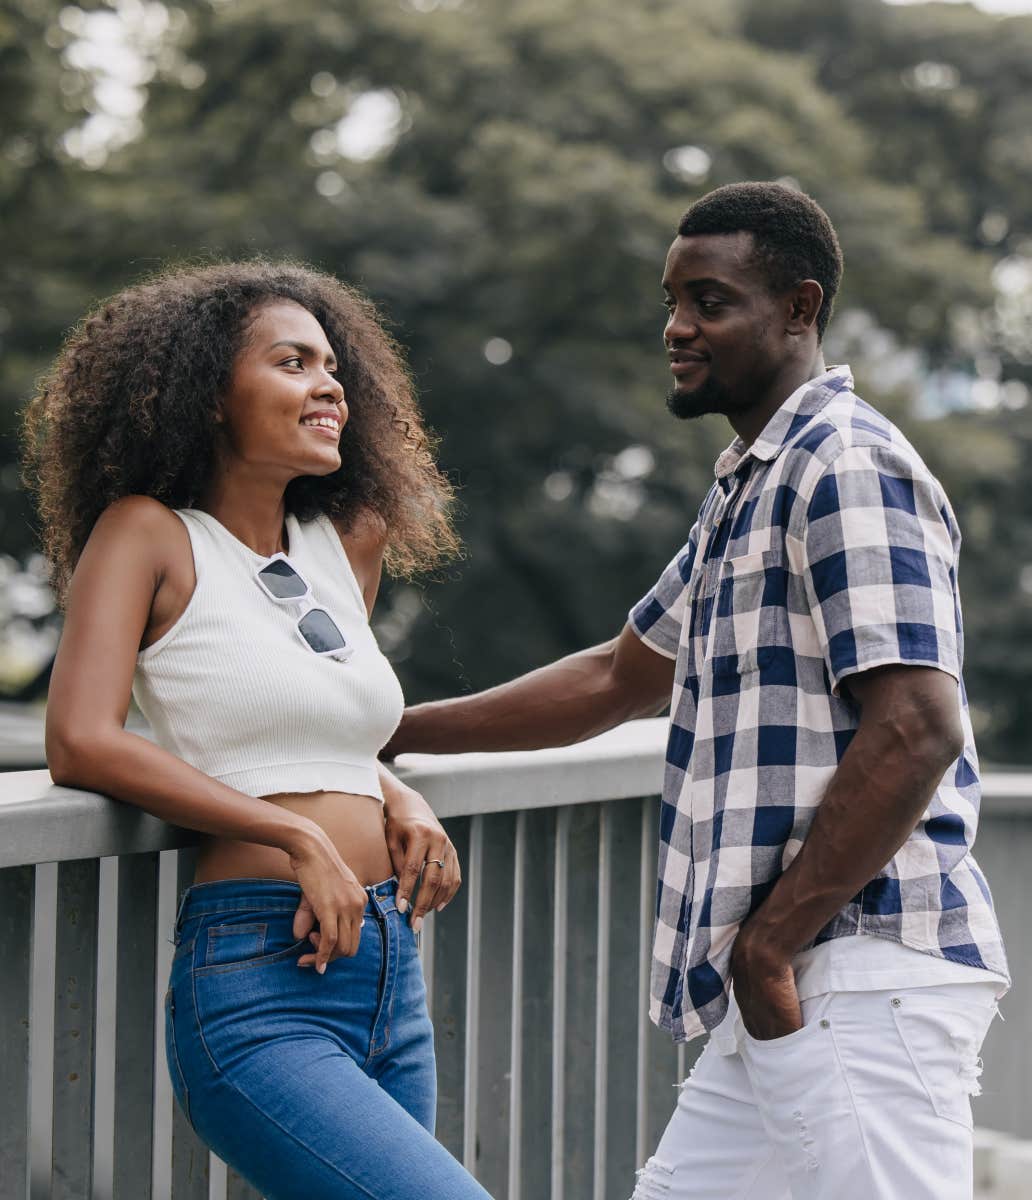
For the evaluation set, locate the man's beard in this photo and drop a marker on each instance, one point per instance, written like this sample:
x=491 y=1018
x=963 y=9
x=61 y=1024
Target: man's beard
x=710 y=397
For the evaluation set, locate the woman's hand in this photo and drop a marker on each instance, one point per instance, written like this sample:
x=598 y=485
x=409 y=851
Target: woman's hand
x=331 y=897
x=418 y=846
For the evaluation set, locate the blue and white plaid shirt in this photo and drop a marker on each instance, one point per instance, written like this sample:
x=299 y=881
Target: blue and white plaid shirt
x=824 y=549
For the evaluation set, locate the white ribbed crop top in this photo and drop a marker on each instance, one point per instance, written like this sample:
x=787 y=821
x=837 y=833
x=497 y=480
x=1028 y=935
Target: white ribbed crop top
x=233 y=690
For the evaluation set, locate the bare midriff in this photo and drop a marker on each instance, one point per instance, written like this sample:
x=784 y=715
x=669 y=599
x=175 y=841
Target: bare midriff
x=353 y=823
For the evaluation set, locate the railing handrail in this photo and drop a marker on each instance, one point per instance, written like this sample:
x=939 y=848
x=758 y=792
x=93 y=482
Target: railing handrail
x=40 y=822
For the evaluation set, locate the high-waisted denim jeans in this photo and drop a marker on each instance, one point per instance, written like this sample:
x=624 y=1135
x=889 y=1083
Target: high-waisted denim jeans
x=310 y=1086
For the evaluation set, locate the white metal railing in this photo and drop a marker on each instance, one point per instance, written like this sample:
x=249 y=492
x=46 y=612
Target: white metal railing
x=553 y=1083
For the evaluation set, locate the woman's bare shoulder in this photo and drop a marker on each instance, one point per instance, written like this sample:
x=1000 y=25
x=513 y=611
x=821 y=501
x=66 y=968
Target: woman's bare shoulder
x=149 y=530
x=138 y=514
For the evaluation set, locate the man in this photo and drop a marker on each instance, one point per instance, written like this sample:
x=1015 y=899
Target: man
x=819 y=911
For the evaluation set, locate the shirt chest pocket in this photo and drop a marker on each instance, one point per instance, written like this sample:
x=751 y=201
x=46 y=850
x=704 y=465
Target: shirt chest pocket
x=750 y=623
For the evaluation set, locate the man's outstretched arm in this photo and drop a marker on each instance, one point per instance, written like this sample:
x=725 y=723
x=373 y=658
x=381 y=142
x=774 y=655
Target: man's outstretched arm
x=567 y=701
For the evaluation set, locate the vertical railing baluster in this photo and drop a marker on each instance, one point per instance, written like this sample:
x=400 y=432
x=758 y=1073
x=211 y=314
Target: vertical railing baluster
x=494 y=1001
x=605 y=857
x=581 y=916
x=559 y=966
x=622 y=946
x=448 y=972
x=75 y=991
x=189 y=1153
x=538 y=906
x=239 y=1189
x=218 y=1175
x=41 y=1030
x=471 y=1073
x=646 y=911
x=17 y=888
x=519 y=900
x=134 y=1025
x=657 y=1056
x=105 y=1035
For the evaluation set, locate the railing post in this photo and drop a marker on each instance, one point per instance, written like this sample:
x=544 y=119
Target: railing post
x=529 y=1157
x=17 y=887
x=561 y=890
x=449 y=997
x=136 y=956
x=491 y=1032
x=622 y=942
x=189 y=1153
x=580 y=919
x=75 y=995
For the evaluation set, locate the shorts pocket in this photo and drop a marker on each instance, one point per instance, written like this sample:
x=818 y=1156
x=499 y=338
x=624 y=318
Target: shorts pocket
x=175 y=1070
x=942 y=1038
x=813 y=1016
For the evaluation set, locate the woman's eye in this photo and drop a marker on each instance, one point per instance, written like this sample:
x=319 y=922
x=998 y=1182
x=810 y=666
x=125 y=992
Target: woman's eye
x=296 y=360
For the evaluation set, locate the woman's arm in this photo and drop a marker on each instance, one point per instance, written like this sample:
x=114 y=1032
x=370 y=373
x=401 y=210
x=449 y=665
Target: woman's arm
x=364 y=544
x=121 y=571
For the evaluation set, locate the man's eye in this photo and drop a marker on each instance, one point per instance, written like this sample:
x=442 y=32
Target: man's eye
x=709 y=306
x=669 y=303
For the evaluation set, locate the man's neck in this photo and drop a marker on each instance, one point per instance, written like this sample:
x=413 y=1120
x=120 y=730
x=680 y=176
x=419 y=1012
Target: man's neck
x=752 y=422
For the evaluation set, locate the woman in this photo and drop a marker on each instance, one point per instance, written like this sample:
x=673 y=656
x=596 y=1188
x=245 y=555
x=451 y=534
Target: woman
x=223 y=459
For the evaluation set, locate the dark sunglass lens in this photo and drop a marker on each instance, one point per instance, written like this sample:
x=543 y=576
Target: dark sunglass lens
x=282 y=580
x=320 y=632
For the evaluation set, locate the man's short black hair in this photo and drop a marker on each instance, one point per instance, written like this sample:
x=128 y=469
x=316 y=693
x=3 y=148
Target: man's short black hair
x=794 y=238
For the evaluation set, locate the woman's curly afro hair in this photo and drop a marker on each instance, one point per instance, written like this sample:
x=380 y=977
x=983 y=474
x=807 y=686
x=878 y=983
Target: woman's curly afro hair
x=129 y=407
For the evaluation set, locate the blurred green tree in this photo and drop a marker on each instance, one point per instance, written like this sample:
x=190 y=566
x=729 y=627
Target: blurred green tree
x=504 y=178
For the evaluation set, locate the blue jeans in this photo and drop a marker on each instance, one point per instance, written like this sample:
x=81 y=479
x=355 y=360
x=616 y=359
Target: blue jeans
x=311 y=1087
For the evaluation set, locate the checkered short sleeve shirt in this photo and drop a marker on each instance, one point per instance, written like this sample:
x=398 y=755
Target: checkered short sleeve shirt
x=824 y=549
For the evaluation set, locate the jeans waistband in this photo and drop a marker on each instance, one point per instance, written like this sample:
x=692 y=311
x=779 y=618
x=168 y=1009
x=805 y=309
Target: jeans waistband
x=266 y=895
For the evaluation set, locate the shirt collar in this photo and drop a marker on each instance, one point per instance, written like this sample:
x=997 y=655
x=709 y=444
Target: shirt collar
x=802 y=407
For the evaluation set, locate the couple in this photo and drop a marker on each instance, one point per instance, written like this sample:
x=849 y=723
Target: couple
x=224 y=459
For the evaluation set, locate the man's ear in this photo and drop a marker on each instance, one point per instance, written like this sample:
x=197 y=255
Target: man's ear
x=805 y=302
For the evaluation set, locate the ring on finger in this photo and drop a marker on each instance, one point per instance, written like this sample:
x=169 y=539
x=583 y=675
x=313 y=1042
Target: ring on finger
x=437 y=862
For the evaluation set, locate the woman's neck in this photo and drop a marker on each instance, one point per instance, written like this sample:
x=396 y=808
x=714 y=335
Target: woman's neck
x=254 y=515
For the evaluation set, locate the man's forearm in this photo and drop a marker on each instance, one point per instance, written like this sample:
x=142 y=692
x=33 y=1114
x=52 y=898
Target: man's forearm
x=876 y=797
x=565 y=702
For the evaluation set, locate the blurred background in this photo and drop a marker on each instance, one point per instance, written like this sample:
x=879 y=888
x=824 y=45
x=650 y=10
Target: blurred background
x=503 y=177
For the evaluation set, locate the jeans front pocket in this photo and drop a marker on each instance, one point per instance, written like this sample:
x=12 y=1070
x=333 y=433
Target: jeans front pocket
x=175 y=1070
x=234 y=943
x=942 y=1038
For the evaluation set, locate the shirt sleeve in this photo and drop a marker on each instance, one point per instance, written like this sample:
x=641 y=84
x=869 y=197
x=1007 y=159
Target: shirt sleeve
x=880 y=565
x=658 y=616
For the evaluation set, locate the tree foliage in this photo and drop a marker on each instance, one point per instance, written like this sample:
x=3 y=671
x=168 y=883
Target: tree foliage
x=534 y=158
